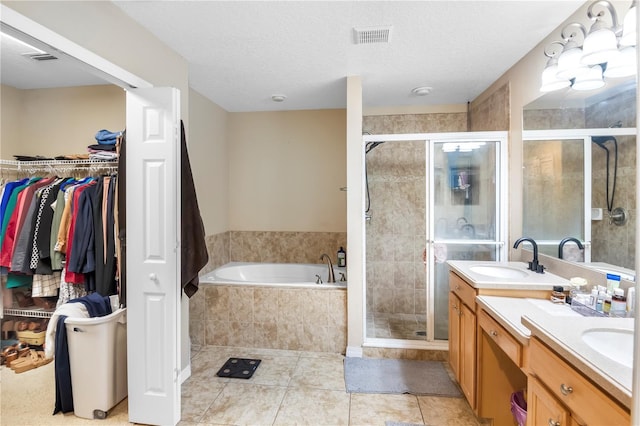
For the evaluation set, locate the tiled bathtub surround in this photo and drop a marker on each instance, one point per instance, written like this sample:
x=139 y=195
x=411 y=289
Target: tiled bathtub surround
x=284 y=247
x=273 y=318
x=263 y=317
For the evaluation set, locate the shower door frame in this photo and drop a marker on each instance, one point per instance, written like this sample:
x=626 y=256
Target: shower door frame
x=585 y=135
x=501 y=234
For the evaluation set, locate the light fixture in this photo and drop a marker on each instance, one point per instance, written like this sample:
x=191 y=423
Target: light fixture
x=629 y=26
x=623 y=65
x=601 y=44
x=608 y=48
x=569 y=61
x=421 y=91
x=278 y=98
x=550 y=80
x=590 y=80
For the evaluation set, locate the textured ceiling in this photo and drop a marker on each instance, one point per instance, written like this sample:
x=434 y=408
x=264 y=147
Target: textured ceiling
x=240 y=53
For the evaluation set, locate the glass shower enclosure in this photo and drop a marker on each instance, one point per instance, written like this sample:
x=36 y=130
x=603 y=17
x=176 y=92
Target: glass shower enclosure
x=429 y=198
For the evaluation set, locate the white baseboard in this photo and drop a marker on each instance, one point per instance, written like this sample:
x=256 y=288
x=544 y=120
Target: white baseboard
x=185 y=373
x=354 y=352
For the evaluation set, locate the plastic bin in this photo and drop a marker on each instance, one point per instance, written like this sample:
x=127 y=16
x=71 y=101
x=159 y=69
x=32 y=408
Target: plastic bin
x=519 y=408
x=98 y=360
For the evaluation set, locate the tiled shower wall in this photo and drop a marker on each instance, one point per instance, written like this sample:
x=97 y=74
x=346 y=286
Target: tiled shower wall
x=610 y=243
x=298 y=319
x=396 y=231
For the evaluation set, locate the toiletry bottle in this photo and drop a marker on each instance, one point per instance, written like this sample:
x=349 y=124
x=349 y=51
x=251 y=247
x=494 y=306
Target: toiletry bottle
x=593 y=298
x=557 y=295
x=631 y=299
x=606 y=303
x=600 y=301
x=613 y=282
x=618 y=302
x=342 y=257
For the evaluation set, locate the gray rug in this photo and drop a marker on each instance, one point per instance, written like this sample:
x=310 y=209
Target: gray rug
x=372 y=375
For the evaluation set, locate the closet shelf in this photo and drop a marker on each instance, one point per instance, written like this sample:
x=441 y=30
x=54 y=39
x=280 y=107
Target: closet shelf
x=58 y=165
x=25 y=312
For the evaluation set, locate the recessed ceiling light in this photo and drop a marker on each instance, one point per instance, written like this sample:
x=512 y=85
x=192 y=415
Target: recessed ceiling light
x=421 y=91
x=278 y=98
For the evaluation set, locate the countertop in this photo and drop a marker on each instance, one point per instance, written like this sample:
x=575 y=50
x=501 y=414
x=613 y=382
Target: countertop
x=561 y=328
x=528 y=280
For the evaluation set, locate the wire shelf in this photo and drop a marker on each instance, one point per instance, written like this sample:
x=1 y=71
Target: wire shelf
x=59 y=166
x=25 y=312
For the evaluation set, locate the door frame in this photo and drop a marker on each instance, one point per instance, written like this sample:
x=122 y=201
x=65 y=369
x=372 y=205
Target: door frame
x=30 y=31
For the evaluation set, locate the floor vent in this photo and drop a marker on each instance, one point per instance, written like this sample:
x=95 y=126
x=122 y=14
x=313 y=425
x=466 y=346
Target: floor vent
x=371 y=35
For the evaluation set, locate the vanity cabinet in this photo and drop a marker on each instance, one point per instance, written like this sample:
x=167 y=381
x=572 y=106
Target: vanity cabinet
x=558 y=394
x=462 y=335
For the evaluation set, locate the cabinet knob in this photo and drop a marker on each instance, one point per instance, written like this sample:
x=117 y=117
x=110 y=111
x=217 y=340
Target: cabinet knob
x=566 y=390
x=493 y=333
x=553 y=423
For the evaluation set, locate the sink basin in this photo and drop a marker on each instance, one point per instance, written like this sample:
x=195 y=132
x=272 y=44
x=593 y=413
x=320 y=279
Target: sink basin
x=616 y=344
x=498 y=271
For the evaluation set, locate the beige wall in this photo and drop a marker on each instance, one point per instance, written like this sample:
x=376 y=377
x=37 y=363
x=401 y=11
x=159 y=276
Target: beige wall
x=59 y=121
x=524 y=85
x=104 y=29
x=209 y=157
x=286 y=170
x=10 y=113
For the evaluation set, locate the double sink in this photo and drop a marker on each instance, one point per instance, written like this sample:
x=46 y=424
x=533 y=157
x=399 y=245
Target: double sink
x=608 y=340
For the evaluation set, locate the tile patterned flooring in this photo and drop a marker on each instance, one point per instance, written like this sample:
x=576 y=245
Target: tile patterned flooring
x=288 y=388
x=396 y=326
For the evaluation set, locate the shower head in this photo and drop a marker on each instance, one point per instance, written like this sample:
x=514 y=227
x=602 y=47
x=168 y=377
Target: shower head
x=601 y=140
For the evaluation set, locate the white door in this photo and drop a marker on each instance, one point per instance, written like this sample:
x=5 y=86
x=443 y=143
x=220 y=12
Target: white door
x=153 y=256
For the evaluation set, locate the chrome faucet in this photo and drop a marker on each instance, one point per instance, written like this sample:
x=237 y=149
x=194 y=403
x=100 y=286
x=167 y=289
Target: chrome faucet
x=566 y=240
x=332 y=278
x=533 y=265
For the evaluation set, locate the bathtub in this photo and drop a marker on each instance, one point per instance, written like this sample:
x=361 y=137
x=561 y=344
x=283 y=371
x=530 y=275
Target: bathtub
x=274 y=275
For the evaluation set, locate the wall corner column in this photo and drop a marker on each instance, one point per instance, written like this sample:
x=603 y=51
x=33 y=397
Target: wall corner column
x=355 y=219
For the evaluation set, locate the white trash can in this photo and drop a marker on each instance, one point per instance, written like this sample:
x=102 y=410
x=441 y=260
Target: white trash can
x=98 y=360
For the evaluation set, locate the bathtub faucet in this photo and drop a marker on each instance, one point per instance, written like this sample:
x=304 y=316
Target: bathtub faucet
x=332 y=278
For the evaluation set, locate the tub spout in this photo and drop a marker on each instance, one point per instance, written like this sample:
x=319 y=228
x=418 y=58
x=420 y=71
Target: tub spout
x=332 y=278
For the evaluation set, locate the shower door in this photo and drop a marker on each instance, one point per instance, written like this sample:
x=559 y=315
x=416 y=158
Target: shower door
x=429 y=198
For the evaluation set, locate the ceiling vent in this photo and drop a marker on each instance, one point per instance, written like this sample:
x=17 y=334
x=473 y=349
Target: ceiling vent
x=41 y=57
x=369 y=35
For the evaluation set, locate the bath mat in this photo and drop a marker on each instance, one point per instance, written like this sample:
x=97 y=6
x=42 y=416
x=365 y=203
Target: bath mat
x=239 y=368
x=372 y=375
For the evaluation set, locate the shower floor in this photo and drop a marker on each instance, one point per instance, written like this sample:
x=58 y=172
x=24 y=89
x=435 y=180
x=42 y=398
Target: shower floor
x=396 y=326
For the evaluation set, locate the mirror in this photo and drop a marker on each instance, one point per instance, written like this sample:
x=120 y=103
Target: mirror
x=579 y=151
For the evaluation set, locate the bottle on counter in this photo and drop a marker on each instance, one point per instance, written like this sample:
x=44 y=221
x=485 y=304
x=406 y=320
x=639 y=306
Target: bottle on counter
x=342 y=257
x=557 y=295
x=631 y=300
x=618 y=302
x=606 y=304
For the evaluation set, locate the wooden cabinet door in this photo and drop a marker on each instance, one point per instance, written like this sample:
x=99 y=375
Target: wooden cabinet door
x=543 y=408
x=468 y=354
x=454 y=334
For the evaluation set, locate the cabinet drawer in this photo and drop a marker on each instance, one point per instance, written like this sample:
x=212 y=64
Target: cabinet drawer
x=583 y=398
x=509 y=345
x=465 y=292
